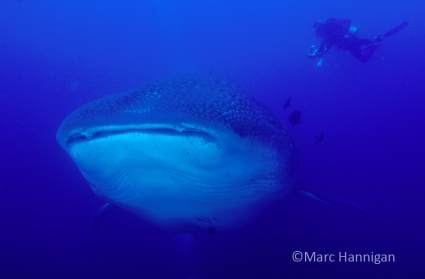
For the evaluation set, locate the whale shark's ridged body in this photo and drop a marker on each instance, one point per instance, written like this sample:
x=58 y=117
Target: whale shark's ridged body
x=187 y=152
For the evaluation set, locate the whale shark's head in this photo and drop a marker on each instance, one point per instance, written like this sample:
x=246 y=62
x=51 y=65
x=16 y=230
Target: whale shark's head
x=184 y=153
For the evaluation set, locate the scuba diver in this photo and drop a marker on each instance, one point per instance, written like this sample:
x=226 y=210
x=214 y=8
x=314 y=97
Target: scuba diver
x=341 y=33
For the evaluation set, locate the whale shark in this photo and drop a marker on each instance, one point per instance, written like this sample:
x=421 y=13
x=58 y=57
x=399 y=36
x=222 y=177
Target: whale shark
x=186 y=153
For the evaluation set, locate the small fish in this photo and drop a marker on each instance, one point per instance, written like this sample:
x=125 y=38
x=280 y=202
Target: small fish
x=319 y=136
x=287 y=103
x=294 y=117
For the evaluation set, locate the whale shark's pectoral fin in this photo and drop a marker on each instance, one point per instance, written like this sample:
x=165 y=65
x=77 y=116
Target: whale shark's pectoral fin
x=100 y=215
x=337 y=200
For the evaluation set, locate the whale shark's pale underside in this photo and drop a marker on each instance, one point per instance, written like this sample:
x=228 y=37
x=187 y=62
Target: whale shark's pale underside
x=184 y=153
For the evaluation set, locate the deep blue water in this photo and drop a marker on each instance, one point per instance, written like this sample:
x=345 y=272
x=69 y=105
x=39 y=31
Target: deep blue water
x=58 y=55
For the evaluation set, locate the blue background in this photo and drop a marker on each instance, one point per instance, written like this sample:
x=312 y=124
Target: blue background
x=58 y=55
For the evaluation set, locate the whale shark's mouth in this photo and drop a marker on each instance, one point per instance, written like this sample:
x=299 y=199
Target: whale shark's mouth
x=100 y=132
x=175 y=175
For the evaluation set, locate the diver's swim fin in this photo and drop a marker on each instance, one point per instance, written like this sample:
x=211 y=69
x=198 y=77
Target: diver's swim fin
x=337 y=200
x=395 y=29
x=367 y=51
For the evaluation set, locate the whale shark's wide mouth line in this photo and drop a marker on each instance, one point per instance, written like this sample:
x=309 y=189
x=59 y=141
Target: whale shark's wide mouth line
x=102 y=132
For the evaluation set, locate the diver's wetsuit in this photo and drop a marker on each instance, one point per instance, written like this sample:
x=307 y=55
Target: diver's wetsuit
x=337 y=32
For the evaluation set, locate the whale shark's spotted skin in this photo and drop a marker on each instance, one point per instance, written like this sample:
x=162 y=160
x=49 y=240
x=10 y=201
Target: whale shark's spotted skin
x=184 y=153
